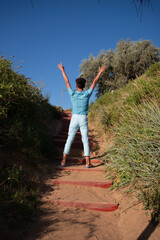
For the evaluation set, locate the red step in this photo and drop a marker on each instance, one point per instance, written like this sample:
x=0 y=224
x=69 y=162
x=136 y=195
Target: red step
x=103 y=206
x=77 y=137
x=64 y=129
x=64 y=137
x=66 y=112
x=61 y=143
x=66 y=118
x=79 y=169
x=73 y=160
x=85 y=183
x=65 y=133
x=81 y=160
x=65 y=123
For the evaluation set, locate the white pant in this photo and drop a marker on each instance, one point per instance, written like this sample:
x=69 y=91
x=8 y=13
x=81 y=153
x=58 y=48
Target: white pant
x=78 y=121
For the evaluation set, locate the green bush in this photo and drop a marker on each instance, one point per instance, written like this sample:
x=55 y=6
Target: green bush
x=25 y=115
x=18 y=196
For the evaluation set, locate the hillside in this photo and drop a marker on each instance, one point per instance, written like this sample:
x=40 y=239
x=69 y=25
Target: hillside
x=26 y=148
x=130 y=119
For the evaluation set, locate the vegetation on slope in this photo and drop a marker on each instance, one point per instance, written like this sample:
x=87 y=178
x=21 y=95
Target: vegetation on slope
x=25 y=143
x=132 y=114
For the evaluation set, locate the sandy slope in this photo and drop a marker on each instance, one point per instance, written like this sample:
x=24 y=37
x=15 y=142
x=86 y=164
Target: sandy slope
x=129 y=222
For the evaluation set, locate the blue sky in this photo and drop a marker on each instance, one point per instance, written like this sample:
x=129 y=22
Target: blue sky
x=68 y=31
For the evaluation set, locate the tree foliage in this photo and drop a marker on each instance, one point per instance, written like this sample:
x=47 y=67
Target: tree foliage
x=129 y=60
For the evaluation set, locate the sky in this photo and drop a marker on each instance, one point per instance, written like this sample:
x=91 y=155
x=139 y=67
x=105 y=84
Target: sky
x=43 y=33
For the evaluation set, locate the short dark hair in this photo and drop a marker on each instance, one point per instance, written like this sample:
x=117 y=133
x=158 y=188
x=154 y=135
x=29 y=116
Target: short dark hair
x=81 y=82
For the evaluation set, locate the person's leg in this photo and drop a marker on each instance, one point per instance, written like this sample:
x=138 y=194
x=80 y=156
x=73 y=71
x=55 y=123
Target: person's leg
x=84 y=133
x=73 y=128
x=63 y=162
x=88 y=164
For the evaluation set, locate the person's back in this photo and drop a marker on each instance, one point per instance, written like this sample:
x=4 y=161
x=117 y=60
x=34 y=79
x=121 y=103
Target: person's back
x=80 y=101
x=79 y=120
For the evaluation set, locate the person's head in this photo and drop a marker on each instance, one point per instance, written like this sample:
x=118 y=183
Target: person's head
x=80 y=82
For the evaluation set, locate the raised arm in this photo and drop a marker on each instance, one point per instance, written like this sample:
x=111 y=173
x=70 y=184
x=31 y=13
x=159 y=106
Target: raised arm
x=60 y=66
x=101 y=69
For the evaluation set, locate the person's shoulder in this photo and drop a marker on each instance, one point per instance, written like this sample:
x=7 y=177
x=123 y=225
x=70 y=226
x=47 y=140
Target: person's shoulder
x=71 y=92
x=89 y=91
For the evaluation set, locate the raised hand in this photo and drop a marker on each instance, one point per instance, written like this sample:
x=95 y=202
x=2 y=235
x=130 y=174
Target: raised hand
x=102 y=69
x=61 y=67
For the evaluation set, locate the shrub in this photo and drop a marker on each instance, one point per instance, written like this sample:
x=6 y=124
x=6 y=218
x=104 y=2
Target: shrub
x=25 y=115
x=18 y=196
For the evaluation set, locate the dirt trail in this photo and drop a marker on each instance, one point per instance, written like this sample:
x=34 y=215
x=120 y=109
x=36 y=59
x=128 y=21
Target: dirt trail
x=56 y=222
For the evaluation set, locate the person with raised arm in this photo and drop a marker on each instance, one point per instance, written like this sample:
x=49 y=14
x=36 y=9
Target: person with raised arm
x=79 y=120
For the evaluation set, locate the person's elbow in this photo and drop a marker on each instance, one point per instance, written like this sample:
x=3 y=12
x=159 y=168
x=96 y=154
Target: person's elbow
x=93 y=86
x=68 y=84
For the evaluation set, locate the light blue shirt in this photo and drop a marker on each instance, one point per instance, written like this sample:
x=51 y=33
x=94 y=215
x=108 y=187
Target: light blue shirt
x=80 y=101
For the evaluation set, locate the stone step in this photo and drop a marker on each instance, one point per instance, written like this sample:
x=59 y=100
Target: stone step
x=81 y=160
x=79 y=169
x=65 y=120
x=65 y=133
x=64 y=129
x=77 y=137
x=77 y=144
x=103 y=206
x=84 y=183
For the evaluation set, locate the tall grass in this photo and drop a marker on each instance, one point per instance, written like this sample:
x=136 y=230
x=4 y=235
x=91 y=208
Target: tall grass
x=132 y=113
x=134 y=160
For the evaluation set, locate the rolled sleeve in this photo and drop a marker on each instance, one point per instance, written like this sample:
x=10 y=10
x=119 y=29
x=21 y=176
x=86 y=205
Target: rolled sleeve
x=70 y=91
x=89 y=91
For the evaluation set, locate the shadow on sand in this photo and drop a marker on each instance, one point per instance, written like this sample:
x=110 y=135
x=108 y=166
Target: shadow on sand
x=145 y=235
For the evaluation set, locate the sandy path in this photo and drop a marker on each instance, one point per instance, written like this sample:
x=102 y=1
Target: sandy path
x=129 y=222
x=65 y=223
x=59 y=222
